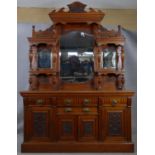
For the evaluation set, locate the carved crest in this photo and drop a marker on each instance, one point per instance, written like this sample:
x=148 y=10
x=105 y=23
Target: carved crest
x=76 y=14
x=76 y=7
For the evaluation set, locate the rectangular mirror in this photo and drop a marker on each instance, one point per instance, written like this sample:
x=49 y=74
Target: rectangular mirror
x=108 y=57
x=76 y=57
x=44 y=56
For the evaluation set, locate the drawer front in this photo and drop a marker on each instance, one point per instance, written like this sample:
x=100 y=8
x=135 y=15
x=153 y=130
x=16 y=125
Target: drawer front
x=113 y=101
x=35 y=101
x=76 y=111
x=39 y=101
x=88 y=101
x=67 y=101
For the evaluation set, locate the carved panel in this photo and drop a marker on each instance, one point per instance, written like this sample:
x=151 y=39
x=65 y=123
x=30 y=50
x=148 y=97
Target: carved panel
x=88 y=128
x=39 y=124
x=115 y=123
x=67 y=128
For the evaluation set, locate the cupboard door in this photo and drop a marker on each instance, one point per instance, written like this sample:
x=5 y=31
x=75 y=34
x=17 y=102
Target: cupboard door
x=38 y=124
x=88 y=128
x=67 y=127
x=114 y=124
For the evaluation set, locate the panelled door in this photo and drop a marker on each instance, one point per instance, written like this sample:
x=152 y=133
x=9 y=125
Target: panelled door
x=38 y=124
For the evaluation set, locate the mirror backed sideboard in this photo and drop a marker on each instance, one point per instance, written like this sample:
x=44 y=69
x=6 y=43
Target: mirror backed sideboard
x=77 y=100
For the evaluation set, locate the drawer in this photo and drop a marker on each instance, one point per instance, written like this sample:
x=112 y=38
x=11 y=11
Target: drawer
x=76 y=111
x=113 y=101
x=87 y=101
x=39 y=101
x=67 y=101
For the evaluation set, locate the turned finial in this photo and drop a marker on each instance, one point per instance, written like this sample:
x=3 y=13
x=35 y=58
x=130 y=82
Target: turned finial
x=33 y=27
x=33 y=30
x=119 y=29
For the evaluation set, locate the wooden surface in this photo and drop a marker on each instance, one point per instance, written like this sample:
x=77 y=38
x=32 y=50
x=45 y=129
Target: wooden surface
x=77 y=109
x=92 y=116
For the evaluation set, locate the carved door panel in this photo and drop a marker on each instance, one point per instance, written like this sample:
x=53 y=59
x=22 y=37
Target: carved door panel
x=38 y=124
x=88 y=128
x=114 y=124
x=67 y=127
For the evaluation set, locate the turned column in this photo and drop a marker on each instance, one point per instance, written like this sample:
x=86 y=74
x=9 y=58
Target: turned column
x=119 y=58
x=33 y=57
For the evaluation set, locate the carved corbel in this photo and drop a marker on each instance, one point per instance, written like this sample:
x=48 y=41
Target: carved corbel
x=54 y=81
x=99 y=82
x=120 y=81
x=33 y=82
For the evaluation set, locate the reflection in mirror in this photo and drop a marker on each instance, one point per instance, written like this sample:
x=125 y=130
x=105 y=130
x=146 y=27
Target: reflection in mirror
x=77 y=58
x=108 y=57
x=44 y=56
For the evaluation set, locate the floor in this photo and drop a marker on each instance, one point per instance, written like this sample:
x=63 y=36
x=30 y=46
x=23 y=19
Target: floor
x=20 y=140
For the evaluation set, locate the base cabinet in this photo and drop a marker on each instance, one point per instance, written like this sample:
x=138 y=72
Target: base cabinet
x=38 y=124
x=77 y=122
x=115 y=119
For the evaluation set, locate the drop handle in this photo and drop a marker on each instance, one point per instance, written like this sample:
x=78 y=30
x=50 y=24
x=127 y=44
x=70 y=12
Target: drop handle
x=68 y=109
x=86 y=101
x=86 y=110
x=114 y=102
x=68 y=101
x=39 y=102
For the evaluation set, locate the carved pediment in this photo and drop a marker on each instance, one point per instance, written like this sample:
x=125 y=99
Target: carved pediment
x=76 y=14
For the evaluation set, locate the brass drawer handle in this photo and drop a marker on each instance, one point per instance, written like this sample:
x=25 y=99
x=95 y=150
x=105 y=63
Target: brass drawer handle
x=68 y=101
x=39 y=102
x=68 y=110
x=114 y=102
x=86 y=110
x=86 y=101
